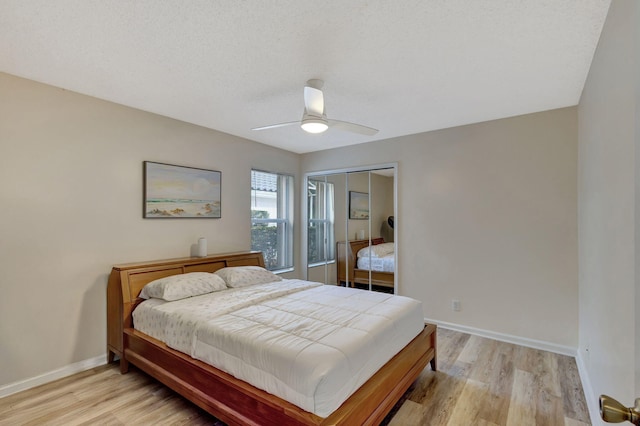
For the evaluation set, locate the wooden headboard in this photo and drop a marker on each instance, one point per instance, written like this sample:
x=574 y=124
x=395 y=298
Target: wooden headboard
x=127 y=280
x=346 y=254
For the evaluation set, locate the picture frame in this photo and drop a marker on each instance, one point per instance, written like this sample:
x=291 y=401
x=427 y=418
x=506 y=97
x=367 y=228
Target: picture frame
x=172 y=191
x=358 y=205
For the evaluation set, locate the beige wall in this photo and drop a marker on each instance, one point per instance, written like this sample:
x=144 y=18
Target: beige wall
x=636 y=55
x=487 y=215
x=609 y=214
x=71 y=185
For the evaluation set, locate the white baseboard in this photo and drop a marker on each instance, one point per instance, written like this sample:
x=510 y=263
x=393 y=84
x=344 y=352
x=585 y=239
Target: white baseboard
x=508 y=338
x=60 y=373
x=589 y=395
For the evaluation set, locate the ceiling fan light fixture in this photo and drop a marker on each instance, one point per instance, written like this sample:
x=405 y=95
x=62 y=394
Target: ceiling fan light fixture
x=314 y=125
x=314 y=119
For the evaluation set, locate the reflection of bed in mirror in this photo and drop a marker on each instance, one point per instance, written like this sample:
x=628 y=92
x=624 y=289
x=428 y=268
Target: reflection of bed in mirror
x=356 y=270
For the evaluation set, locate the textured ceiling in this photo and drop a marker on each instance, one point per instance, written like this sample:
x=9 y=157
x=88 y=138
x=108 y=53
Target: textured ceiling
x=400 y=66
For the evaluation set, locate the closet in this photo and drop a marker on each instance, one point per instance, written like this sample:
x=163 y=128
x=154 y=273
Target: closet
x=348 y=211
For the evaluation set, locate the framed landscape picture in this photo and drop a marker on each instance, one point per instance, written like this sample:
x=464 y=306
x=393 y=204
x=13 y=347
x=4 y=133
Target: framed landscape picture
x=180 y=192
x=358 y=205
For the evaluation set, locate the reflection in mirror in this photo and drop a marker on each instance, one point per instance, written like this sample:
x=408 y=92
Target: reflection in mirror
x=347 y=212
x=322 y=205
x=381 y=257
x=319 y=211
x=358 y=226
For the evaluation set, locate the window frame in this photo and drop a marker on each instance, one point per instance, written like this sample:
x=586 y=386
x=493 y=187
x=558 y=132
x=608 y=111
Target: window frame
x=285 y=198
x=328 y=220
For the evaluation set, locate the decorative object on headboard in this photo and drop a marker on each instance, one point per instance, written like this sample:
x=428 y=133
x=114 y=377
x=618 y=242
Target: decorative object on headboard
x=390 y=221
x=202 y=247
x=180 y=192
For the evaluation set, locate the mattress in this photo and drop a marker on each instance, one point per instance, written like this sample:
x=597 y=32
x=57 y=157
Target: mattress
x=379 y=264
x=310 y=344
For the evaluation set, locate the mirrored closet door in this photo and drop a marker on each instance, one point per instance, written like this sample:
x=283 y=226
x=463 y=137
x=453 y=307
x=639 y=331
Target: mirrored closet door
x=350 y=228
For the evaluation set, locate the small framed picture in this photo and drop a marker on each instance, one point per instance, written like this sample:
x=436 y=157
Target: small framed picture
x=180 y=192
x=358 y=205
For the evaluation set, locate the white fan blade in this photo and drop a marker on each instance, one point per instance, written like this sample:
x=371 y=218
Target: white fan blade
x=352 y=127
x=314 y=101
x=273 y=126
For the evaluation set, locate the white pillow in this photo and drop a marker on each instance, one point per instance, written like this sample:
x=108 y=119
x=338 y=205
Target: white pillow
x=181 y=286
x=379 y=250
x=242 y=276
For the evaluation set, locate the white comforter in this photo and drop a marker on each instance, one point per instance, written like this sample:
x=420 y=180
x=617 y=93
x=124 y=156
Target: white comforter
x=310 y=344
x=381 y=264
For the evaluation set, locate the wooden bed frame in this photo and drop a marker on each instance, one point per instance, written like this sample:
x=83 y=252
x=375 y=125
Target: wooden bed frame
x=348 y=271
x=234 y=401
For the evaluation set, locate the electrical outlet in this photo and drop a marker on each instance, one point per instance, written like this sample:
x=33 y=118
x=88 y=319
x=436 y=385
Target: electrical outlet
x=455 y=305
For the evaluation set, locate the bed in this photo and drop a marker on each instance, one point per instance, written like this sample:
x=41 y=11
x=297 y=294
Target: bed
x=230 y=399
x=355 y=271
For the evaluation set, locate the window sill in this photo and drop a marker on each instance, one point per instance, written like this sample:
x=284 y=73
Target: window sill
x=313 y=265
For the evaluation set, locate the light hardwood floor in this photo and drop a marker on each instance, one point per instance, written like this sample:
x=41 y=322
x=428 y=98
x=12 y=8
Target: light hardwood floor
x=479 y=382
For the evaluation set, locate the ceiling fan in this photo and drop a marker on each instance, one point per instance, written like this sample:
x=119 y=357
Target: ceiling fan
x=314 y=119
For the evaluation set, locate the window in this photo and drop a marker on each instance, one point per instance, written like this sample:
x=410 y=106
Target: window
x=321 y=244
x=272 y=218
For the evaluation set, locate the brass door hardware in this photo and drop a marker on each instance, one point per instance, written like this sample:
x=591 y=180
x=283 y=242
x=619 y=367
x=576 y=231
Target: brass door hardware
x=612 y=411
